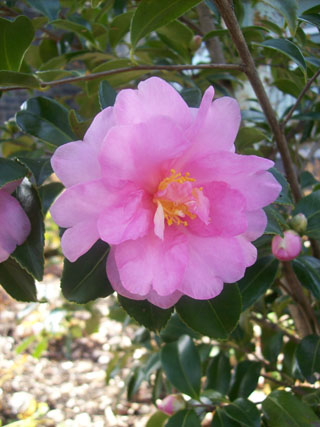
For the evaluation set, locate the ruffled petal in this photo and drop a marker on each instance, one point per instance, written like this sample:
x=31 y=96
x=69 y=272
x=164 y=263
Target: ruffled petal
x=77 y=240
x=99 y=128
x=257 y=222
x=80 y=203
x=76 y=163
x=154 y=97
x=141 y=153
x=15 y=225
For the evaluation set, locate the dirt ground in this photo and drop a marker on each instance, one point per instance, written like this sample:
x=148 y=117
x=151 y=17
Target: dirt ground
x=66 y=385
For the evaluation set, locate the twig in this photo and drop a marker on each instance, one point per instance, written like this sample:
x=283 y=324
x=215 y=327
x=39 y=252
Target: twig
x=93 y=76
x=232 y=24
x=301 y=95
x=275 y=327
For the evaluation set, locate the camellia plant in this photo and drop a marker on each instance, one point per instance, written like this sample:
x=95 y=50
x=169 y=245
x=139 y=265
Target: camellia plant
x=175 y=144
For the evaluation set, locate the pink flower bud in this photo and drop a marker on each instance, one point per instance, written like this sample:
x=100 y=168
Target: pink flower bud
x=172 y=404
x=299 y=223
x=288 y=247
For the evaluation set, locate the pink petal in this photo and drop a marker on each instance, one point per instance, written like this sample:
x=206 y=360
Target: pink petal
x=75 y=163
x=129 y=218
x=150 y=263
x=227 y=214
x=201 y=114
x=257 y=222
x=11 y=186
x=154 y=97
x=78 y=239
x=142 y=153
x=99 y=128
x=80 y=203
x=15 y=225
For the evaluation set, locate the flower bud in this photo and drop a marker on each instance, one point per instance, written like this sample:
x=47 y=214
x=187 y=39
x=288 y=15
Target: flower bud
x=195 y=43
x=299 y=223
x=172 y=404
x=287 y=247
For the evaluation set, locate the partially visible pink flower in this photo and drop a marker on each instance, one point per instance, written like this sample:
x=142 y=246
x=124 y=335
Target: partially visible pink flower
x=287 y=247
x=172 y=404
x=15 y=225
x=161 y=183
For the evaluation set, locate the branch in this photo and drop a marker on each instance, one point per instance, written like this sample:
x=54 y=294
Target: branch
x=301 y=95
x=93 y=76
x=274 y=327
x=232 y=24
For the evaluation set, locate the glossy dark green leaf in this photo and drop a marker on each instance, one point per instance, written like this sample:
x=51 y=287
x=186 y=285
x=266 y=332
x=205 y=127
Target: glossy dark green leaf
x=219 y=373
x=49 y=8
x=307 y=269
x=219 y=316
x=221 y=419
x=46 y=119
x=283 y=409
x=30 y=254
x=307 y=179
x=310 y=206
x=10 y=171
x=312 y=18
x=40 y=168
x=245 y=379
x=48 y=193
x=119 y=27
x=15 y=38
x=86 y=279
x=184 y=418
x=287 y=86
x=287 y=48
x=152 y=14
x=257 y=280
x=14 y=78
x=192 y=96
x=244 y=412
x=79 y=127
x=247 y=136
x=17 y=281
x=284 y=197
x=178 y=37
x=107 y=95
x=158 y=419
x=288 y=9
x=175 y=328
x=72 y=26
x=181 y=363
x=276 y=222
x=308 y=357
x=271 y=343
x=145 y=313
x=142 y=373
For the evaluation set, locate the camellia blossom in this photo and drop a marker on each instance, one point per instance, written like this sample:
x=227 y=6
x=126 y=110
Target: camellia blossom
x=15 y=225
x=288 y=247
x=172 y=404
x=161 y=183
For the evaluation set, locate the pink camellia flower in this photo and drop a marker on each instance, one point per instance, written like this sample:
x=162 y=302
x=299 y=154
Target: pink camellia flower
x=15 y=225
x=287 y=247
x=160 y=182
x=172 y=404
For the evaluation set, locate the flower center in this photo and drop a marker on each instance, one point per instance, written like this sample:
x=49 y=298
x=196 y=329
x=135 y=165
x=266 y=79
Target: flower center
x=176 y=196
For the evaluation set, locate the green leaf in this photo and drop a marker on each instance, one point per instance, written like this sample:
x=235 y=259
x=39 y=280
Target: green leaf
x=257 y=280
x=178 y=37
x=158 y=419
x=221 y=419
x=275 y=220
x=79 y=128
x=74 y=27
x=119 y=27
x=15 y=38
x=307 y=269
x=17 y=282
x=289 y=49
x=48 y=193
x=46 y=119
x=14 y=78
x=283 y=409
x=284 y=197
x=247 y=136
x=145 y=313
x=192 y=96
x=10 y=171
x=245 y=379
x=219 y=373
x=184 y=418
x=152 y=14
x=49 y=8
x=310 y=207
x=288 y=9
x=86 y=279
x=30 y=254
x=244 y=412
x=107 y=95
x=175 y=328
x=40 y=168
x=181 y=363
x=219 y=316
x=271 y=343
x=287 y=86
x=308 y=357
x=307 y=179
